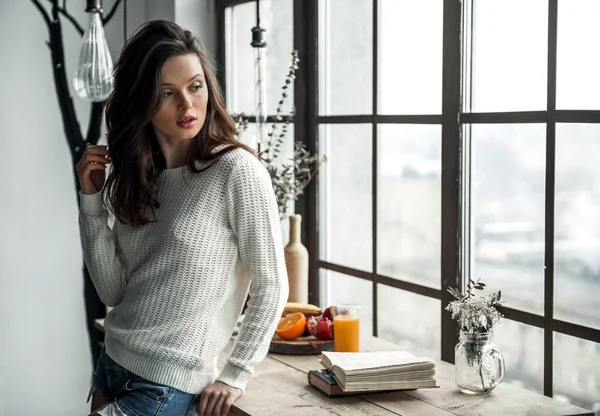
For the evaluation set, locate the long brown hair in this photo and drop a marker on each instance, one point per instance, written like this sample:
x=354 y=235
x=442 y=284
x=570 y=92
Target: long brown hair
x=131 y=187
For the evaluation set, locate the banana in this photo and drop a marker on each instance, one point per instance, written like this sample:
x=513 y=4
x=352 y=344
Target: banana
x=306 y=308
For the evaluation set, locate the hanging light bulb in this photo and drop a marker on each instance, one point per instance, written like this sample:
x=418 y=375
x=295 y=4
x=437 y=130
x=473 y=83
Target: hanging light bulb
x=260 y=80
x=94 y=79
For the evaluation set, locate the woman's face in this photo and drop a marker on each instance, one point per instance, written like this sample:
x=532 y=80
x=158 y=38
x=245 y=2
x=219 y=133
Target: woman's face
x=184 y=99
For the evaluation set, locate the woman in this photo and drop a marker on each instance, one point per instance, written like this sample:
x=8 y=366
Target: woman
x=195 y=222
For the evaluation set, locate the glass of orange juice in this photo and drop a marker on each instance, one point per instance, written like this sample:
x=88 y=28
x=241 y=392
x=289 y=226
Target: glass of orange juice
x=346 y=328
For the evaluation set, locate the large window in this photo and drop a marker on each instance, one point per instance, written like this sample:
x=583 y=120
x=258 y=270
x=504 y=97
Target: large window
x=463 y=140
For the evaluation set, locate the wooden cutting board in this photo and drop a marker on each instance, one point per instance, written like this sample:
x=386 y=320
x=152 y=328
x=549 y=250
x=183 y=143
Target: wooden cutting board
x=308 y=345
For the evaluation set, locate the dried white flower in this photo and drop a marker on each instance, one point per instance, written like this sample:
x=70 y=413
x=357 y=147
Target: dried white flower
x=475 y=313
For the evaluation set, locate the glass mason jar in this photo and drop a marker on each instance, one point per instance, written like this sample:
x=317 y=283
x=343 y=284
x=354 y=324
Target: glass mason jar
x=479 y=366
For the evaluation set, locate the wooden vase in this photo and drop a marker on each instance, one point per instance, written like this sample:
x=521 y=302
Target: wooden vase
x=296 y=261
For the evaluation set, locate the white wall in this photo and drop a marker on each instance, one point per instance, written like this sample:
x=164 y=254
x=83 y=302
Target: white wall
x=199 y=16
x=45 y=363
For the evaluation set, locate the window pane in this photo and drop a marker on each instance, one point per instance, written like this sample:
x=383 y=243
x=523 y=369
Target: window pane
x=409 y=203
x=410 y=56
x=576 y=371
x=345 y=57
x=248 y=137
x=341 y=288
x=396 y=312
x=577 y=224
x=578 y=61
x=523 y=349
x=508 y=186
x=345 y=220
x=276 y=16
x=510 y=55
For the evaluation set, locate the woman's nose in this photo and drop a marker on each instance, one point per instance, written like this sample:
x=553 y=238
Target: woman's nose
x=185 y=102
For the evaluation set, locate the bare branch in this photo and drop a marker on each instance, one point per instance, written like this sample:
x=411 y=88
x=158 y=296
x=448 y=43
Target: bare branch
x=54 y=4
x=71 y=19
x=43 y=11
x=112 y=11
x=63 y=10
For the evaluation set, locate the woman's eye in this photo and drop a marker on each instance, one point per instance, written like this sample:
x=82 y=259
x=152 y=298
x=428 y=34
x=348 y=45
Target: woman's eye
x=166 y=94
x=197 y=87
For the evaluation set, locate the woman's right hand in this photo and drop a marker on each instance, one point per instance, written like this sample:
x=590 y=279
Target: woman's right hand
x=91 y=169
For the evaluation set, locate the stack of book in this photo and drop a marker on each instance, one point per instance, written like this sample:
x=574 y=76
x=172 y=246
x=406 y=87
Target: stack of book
x=364 y=372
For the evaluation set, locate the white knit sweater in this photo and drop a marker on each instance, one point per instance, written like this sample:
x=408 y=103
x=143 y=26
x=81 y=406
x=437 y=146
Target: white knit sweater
x=179 y=285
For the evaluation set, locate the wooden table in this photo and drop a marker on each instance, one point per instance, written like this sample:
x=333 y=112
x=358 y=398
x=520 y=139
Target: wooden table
x=279 y=387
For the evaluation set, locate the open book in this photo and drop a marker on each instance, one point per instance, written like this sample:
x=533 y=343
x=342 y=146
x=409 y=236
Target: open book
x=381 y=370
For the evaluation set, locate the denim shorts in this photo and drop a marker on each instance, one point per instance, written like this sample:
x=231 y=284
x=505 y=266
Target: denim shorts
x=132 y=395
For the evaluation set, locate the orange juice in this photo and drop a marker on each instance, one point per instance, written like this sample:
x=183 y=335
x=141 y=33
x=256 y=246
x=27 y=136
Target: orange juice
x=346 y=333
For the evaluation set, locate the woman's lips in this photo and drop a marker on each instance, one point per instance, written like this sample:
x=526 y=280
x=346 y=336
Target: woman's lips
x=186 y=122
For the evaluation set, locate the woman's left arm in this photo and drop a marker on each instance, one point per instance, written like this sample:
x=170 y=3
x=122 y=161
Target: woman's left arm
x=255 y=221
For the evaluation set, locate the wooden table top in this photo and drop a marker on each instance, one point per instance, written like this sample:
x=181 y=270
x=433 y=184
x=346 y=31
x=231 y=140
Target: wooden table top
x=279 y=387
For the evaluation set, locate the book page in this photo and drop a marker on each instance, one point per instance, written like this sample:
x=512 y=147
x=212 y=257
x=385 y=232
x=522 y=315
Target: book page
x=353 y=361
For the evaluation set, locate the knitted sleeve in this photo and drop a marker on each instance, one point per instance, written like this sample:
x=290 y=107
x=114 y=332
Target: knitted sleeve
x=100 y=251
x=255 y=221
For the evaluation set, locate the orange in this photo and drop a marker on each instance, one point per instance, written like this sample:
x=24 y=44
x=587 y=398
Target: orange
x=292 y=326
